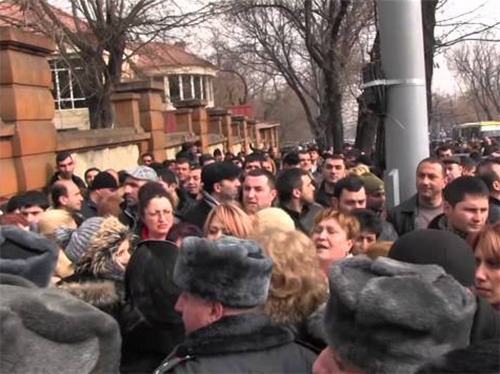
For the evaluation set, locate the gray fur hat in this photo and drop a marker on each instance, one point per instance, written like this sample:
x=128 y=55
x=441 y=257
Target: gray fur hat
x=50 y=331
x=75 y=242
x=27 y=254
x=385 y=316
x=235 y=272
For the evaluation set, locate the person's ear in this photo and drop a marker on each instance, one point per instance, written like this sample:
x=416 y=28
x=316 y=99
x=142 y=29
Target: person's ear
x=496 y=186
x=63 y=200
x=217 y=311
x=296 y=193
x=217 y=187
x=273 y=194
x=447 y=208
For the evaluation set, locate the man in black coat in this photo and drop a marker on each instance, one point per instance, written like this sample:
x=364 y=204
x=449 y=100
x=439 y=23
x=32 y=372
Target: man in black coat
x=223 y=285
x=220 y=184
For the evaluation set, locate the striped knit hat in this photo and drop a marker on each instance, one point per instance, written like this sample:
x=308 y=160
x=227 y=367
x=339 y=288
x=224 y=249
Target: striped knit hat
x=75 y=242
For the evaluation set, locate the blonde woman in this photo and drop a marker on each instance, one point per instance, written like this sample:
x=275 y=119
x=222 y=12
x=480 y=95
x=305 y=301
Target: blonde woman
x=50 y=221
x=297 y=287
x=228 y=219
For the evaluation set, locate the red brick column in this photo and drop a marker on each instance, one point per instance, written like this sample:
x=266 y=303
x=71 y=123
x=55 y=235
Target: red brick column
x=27 y=109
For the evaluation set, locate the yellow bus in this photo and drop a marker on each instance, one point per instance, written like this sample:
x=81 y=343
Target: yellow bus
x=477 y=130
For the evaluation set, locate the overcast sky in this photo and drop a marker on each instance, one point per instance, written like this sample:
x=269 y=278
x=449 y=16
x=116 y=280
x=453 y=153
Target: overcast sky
x=479 y=11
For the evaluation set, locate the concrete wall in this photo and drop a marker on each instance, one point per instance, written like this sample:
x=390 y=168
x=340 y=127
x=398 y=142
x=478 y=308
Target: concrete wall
x=118 y=158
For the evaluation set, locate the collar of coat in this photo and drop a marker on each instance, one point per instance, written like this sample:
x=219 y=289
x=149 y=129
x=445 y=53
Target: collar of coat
x=243 y=333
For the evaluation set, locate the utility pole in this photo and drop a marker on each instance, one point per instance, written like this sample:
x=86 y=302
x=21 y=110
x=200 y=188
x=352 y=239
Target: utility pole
x=406 y=127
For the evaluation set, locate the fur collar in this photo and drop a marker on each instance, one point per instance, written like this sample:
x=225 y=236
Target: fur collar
x=243 y=333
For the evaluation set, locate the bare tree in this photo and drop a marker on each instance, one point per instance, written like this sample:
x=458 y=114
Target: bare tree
x=478 y=68
x=308 y=45
x=93 y=38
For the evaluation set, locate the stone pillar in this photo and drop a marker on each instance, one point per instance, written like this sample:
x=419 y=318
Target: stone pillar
x=215 y=115
x=277 y=136
x=28 y=106
x=199 y=118
x=272 y=134
x=242 y=123
x=184 y=120
x=150 y=112
x=126 y=108
x=254 y=133
x=227 y=131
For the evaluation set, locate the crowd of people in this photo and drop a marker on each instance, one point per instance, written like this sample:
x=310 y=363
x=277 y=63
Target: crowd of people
x=273 y=262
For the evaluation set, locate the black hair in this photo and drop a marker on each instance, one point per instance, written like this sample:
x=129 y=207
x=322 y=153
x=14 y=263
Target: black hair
x=433 y=160
x=271 y=180
x=287 y=181
x=183 y=160
x=61 y=156
x=163 y=173
x=148 y=192
x=217 y=152
x=291 y=159
x=489 y=178
x=255 y=157
x=35 y=198
x=217 y=172
x=204 y=158
x=89 y=170
x=147 y=154
x=183 y=230
x=368 y=221
x=456 y=191
x=350 y=183
x=15 y=202
x=122 y=176
x=335 y=156
x=56 y=192
x=443 y=148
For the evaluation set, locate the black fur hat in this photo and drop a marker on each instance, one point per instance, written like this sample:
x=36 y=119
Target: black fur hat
x=386 y=316
x=235 y=272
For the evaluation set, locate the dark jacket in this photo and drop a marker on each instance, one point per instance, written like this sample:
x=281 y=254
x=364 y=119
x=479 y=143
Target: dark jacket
x=322 y=197
x=304 y=221
x=486 y=323
x=149 y=324
x=128 y=217
x=402 y=217
x=247 y=343
x=76 y=180
x=198 y=214
x=89 y=208
x=494 y=214
x=388 y=233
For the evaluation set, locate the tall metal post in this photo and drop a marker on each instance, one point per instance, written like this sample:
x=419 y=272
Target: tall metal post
x=406 y=127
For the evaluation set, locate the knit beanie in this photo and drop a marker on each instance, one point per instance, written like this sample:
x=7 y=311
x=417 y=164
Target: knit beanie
x=103 y=180
x=235 y=272
x=49 y=331
x=27 y=254
x=386 y=316
x=437 y=247
x=372 y=183
x=75 y=242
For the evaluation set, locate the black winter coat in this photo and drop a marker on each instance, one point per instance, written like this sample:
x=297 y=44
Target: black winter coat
x=402 y=216
x=197 y=215
x=247 y=343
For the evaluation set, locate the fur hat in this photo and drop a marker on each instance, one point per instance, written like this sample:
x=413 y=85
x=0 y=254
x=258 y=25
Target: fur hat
x=27 y=254
x=235 y=272
x=49 y=331
x=385 y=316
x=75 y=242
x=437 y=247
